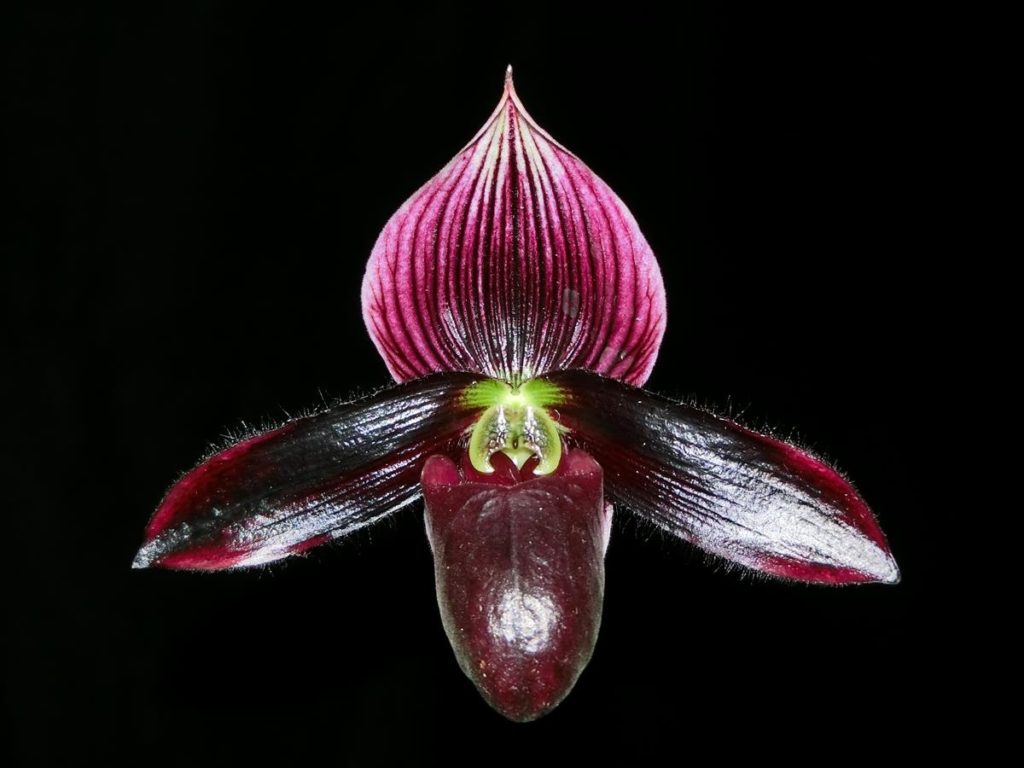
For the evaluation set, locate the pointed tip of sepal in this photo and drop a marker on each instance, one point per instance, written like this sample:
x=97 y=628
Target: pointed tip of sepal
x=865 y=563
x=141 y=559
x=891 y=574
x=878 y=567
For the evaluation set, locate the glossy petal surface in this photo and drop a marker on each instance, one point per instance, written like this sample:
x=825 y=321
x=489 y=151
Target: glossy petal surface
x=514 y=260
x=520 y=577
x=313 y=480
x=743 y=496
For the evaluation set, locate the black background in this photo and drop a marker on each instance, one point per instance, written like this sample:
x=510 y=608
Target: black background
x=197 y=191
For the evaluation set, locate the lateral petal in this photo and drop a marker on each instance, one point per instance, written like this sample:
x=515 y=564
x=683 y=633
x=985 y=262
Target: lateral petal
x=310 y=481
x=746 y=497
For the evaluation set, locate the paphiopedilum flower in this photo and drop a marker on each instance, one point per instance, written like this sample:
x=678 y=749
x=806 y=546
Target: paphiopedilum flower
x=520 y=309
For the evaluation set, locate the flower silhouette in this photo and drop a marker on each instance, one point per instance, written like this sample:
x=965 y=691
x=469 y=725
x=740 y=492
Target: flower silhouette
x=519 y=308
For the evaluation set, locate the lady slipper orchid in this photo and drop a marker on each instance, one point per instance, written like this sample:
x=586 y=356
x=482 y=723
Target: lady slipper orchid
x=520 y=309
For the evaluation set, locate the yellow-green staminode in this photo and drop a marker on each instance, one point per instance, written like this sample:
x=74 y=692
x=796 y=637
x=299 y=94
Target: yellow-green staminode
x=515 y=422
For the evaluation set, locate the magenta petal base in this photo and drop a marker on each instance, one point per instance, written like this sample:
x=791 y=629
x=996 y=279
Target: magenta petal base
x=520 y=577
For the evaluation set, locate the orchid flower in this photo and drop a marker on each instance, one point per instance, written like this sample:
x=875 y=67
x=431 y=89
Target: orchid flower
x=519 y=308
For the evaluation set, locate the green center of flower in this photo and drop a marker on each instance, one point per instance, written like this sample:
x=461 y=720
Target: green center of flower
x=515 y=422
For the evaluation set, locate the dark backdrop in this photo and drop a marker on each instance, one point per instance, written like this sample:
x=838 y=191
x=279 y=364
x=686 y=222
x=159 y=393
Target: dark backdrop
x=197 y=191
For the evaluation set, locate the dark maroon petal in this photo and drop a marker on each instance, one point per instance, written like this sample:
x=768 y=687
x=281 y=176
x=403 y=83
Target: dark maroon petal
x=313 y=480
x=514 y=260
x=520 y=578
x=749 y=498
